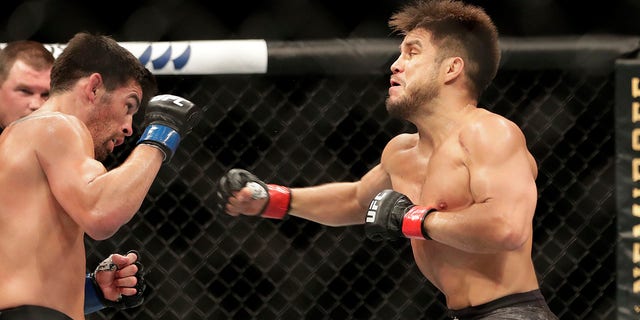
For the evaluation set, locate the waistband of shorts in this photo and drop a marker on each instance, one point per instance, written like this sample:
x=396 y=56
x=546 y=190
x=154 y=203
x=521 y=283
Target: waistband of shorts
x=533 y=297
x=32 y=312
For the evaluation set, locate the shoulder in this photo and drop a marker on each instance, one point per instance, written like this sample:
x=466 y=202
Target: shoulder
x=490 y=131
x=401 y=142
x=485 y=124
x=398 y=146
x=50 y=123
x=52 y=132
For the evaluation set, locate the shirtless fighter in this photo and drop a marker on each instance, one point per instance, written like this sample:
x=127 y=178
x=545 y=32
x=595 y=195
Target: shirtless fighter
x=60 y=190
x=462 y=188
x=25 y=71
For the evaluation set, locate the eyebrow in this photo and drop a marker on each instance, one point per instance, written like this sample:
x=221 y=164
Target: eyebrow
x=411 y=43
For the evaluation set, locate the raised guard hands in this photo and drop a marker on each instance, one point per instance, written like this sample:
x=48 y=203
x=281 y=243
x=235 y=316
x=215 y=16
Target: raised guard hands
x=168 y=119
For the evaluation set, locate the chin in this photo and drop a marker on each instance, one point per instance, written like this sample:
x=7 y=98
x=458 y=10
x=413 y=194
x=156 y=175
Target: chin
x=389 y=103
x=393 y=104
x=101 y=155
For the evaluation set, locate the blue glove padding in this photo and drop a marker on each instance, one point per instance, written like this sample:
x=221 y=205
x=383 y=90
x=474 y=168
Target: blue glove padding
x=163 y=137
x=92 y=302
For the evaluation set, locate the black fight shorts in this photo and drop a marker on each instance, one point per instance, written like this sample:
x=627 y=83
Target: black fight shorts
x=520 y=306
x=32 y=313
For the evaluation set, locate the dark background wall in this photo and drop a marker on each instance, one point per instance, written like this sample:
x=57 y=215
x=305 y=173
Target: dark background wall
x=165 y=20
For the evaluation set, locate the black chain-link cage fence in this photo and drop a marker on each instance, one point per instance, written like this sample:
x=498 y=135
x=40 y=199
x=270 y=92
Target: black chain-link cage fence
x=308 y=129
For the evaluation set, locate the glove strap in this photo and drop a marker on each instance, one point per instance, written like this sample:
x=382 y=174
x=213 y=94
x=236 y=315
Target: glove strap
x=413 y=221
x=161 y=134
x=279 y=202
x=92 y=299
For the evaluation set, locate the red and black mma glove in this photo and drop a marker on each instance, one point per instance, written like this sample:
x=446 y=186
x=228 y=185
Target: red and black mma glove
x=168 y=118
x=392 y=215
x=278 y=197
x=94 y=298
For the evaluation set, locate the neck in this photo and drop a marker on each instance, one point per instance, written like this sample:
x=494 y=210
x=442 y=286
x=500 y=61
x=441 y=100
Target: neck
x=441 y=119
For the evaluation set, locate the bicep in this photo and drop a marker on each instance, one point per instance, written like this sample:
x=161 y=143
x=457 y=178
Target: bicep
x=501 y=173
x=376 y=180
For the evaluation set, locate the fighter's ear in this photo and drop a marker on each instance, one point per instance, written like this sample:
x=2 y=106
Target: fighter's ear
x=453 y=68
x=93 y=85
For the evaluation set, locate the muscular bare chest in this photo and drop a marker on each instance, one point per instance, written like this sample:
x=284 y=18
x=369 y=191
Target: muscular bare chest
x=438 y=178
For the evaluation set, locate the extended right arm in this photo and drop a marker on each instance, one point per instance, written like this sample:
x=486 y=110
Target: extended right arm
x=333 y=204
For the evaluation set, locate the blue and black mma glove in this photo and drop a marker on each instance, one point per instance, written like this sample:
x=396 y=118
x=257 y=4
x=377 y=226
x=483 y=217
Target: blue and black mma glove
x=279 y=197
x=168 y=118
x=392 y=215
x=94 y=299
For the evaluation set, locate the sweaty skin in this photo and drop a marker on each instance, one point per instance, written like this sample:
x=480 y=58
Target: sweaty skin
x=470 y=164
x=59 y=192
x=482 y=242
x=24 y=89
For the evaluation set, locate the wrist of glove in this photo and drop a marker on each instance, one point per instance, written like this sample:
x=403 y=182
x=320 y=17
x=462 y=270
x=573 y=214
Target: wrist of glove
x=168 y=118
x=278 y=197
x=392 y=215
x=124 y=302
x=279 y=202
x=162 y=137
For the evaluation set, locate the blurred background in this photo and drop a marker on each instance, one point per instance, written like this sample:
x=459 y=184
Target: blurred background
x=165 y=20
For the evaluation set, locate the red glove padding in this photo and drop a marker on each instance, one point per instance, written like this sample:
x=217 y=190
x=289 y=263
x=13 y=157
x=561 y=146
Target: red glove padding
x=413 y=220
x=279 y=202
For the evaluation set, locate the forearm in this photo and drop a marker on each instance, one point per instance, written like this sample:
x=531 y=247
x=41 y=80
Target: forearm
x=333 y=204
x=479 y=228
x=120 y=192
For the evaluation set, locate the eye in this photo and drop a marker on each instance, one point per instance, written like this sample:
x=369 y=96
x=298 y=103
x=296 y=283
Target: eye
x=132 y=108
x=25 y=91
